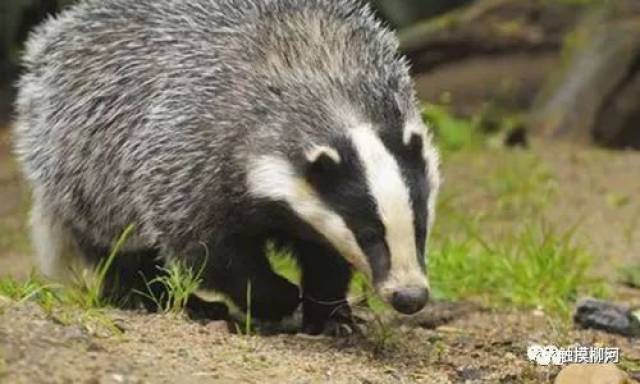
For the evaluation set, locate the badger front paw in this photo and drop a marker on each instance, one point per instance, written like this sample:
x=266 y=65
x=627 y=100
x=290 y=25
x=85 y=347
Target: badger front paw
x=334 y=319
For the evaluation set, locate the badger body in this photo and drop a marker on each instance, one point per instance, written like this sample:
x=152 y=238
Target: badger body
x=212 y=126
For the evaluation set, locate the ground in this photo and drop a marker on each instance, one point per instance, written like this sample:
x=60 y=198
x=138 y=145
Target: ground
x=467 y=341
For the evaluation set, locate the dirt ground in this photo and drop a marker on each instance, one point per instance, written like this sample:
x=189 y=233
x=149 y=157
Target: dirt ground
x=596 y=189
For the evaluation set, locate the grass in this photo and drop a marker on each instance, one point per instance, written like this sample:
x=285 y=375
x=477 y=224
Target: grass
x=535 y=268
x=23 y=291
x=91 y=288
x=248 y=317
x=62 y=304
x=630 y=276
x=179 y=282
x=521 y=186
x=81 y=302
x=452 y=133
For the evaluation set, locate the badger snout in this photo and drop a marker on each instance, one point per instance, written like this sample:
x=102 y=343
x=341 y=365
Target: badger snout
x=409 y=300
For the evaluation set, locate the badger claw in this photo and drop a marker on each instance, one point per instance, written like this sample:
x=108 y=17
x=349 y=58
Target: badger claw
x=342 y=323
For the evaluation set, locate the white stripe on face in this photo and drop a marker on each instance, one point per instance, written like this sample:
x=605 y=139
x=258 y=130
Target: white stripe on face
x=392 y=197
x=274 y=178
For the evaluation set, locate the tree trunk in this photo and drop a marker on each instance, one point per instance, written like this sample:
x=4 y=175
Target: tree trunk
x=595 y=96
x=488 y=27
x=492 y=51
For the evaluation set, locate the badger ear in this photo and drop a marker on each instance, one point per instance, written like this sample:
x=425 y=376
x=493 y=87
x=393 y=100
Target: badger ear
x=322 y=153
x=413 y=138
x=322 y=157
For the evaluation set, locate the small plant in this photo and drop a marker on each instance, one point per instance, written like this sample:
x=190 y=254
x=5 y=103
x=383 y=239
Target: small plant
x=383 y=334
x=379 y=330
x=89 y=287
x=179 y=282
x=248 y=318
x=30 y=289
x=245 y=326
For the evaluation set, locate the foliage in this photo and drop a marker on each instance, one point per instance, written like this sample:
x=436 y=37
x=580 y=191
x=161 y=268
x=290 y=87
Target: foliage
x=452 y=133
x=521 y=187
x=534 y=268
x=179 y=282
x=455 y=133
x=630 y=275
x=31 y=288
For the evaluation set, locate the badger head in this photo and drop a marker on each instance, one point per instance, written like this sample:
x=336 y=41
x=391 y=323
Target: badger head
x=370 y=194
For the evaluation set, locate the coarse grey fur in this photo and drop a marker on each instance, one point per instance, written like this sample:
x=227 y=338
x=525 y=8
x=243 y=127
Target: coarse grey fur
x=147 y=112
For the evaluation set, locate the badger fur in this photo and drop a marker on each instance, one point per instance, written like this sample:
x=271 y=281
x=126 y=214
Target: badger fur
x=213 y=126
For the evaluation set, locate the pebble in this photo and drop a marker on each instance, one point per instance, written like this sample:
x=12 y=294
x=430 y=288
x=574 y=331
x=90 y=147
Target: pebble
x=609 y=317
x=218 y=327
x=592 y=374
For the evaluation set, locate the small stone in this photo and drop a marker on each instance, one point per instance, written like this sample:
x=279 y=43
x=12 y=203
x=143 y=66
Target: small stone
x=538 y=312
x=592 y=374
x=220 y=326
x=605 y=316
x=74 y=333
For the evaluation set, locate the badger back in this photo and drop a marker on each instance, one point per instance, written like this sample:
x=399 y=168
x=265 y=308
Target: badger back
x=179 y=97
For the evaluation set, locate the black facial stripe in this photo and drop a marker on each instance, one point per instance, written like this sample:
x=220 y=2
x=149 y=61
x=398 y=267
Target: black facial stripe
x=413 y=168
x=416 y=180
x=344 y=188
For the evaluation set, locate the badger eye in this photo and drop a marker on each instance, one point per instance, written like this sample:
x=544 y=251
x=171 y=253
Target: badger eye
x=368 y=236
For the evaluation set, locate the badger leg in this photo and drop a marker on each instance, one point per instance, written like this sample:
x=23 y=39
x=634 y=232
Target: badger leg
x=325 y=282
x=129 y=274
x=239 y=264
x=52 y=242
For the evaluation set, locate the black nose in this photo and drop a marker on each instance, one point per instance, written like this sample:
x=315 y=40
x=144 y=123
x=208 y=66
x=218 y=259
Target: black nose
x=409 y=300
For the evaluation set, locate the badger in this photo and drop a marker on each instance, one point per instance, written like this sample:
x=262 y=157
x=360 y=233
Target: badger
x=216 y=126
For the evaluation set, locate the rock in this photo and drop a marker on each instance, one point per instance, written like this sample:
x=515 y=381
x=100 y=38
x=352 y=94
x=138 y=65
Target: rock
x=609 y=317
x=592 y=374
x=219 y=327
